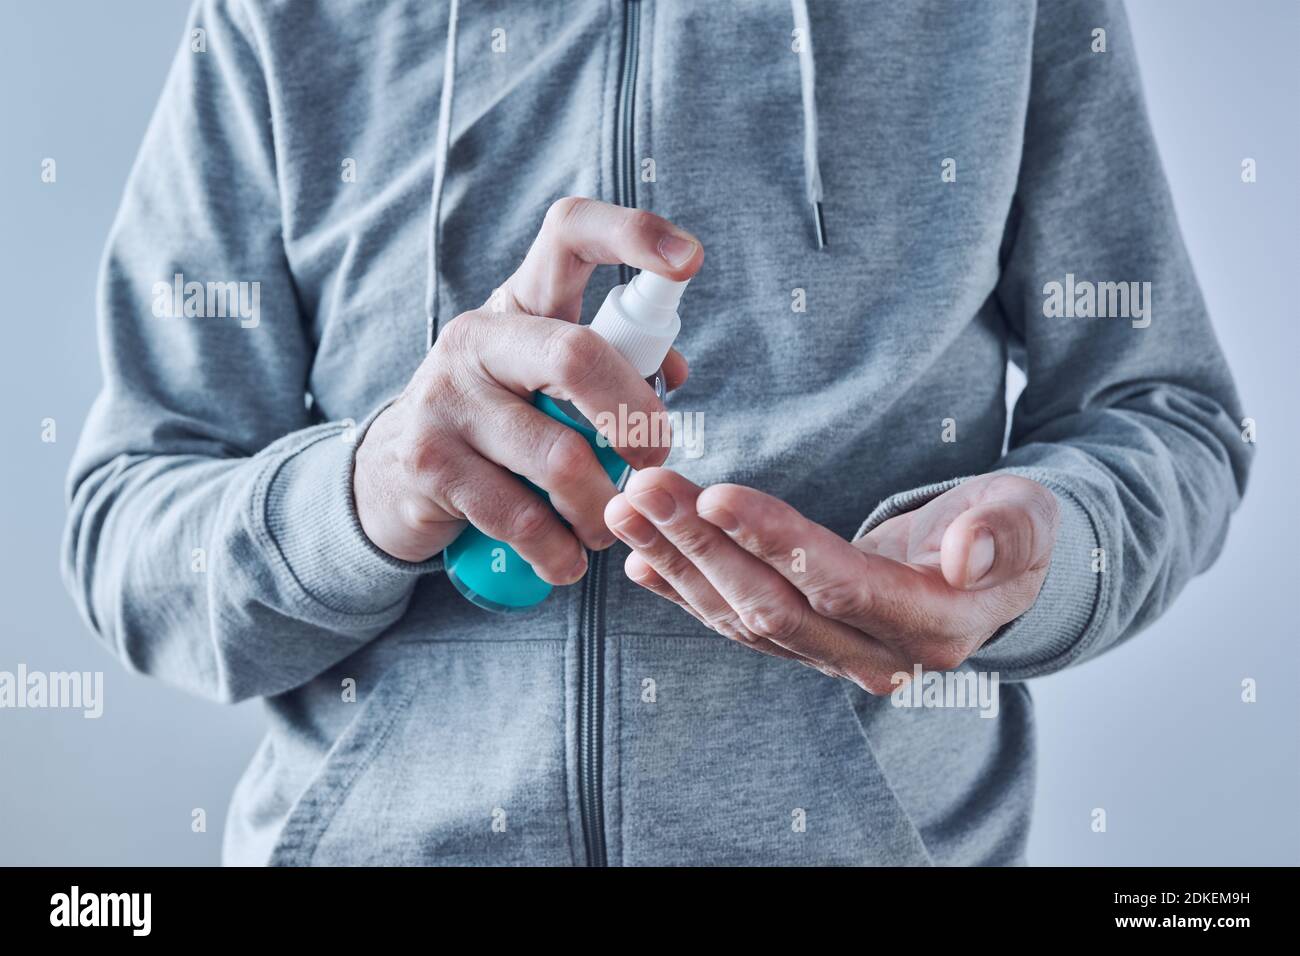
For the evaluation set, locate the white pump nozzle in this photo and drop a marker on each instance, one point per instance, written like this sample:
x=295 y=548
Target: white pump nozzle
x=655 y=292
x=640 y=320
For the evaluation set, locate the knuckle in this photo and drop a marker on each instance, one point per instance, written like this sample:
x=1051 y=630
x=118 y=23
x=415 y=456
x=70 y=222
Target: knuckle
x=457 y=496
x=728 y=624
x=563 y=211
x=576 y=353
x=840 y=599
x=567 y=460
x=416 y=454
x=672 y=564
x=699 y=543
x=638 y=223
x=458 y=334
x=775 y=622
x=527 y=521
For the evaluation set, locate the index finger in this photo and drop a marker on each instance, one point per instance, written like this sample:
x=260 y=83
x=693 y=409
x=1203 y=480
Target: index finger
x=885 y=598
x=577 y=235
x=528 y=354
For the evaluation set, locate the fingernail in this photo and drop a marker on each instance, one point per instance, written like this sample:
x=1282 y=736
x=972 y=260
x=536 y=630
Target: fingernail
x=655 y=504
x=723 y=518
x=580 y=568
x=635 y=532
x=980 y=557
x=676 y=250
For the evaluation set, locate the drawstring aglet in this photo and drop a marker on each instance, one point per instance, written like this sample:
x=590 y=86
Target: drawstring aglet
x=820 y=222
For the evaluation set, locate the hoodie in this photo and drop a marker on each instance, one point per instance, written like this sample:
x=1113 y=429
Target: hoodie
x=896 y=201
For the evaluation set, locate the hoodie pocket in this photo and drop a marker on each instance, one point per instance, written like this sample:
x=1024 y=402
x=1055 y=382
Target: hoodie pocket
x=730 y=757
x=457 y=757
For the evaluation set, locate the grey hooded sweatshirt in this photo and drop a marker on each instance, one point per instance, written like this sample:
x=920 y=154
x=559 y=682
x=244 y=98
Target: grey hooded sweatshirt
x=896 y=199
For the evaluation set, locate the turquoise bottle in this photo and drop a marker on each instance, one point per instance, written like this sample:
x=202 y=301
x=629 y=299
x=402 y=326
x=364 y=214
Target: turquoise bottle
x=640 y=321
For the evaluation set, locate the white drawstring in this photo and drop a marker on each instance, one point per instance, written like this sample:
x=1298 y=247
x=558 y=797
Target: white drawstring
x=808 y=89
x=441 y=150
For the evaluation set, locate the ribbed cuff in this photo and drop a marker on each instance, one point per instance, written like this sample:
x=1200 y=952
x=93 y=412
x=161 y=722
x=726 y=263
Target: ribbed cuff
x=1055 y=629
x=311 y=520
x=904 y=501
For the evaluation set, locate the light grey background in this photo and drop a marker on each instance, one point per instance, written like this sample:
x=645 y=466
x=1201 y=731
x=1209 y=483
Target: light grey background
x=1155 y=732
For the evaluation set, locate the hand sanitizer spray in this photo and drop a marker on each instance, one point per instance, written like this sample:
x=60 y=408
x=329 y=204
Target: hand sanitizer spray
x=640 y=320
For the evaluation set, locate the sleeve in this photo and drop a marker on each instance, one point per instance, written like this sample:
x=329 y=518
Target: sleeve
x=1132 y=421
x=212 y=539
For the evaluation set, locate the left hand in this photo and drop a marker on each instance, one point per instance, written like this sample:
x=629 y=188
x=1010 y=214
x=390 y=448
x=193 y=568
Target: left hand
x=926 y=587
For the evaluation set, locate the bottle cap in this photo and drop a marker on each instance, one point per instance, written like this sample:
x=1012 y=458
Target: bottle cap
x=640 y=320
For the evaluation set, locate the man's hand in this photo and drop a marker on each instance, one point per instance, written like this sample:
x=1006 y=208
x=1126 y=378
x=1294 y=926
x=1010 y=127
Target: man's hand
x=444 y=451
x=927 y=587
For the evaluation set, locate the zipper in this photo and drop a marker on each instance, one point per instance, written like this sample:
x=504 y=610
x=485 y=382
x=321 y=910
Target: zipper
x=625 y=165
x=591 y=620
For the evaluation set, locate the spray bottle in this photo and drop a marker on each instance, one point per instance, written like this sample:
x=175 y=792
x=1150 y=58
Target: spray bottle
x=640 y=321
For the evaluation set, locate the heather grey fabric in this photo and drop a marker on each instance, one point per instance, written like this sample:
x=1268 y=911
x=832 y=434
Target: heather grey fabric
x=213 y=542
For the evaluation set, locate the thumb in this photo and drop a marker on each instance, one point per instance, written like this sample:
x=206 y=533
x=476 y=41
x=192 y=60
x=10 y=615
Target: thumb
x=998 y=540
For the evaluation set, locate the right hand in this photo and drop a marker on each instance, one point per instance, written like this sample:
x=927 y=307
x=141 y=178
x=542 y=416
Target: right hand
x=443 y=453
